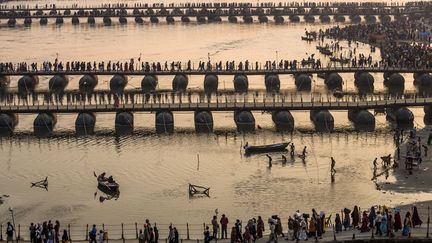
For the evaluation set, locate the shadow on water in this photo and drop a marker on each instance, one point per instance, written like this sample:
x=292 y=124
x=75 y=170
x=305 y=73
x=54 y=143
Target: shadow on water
x=143 y=132
x=43 y=132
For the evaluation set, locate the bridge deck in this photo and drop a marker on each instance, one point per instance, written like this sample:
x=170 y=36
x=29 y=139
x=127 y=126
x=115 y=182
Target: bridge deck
x=225 y=72
x=221 y=6
x=162 y=15
x=219 y=105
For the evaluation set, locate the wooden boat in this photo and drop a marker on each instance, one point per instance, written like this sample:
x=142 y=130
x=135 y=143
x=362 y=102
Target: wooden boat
x=307 y=38
x=325 y=51
x=307 y=62
x=338 y=93
x=343 y=60
x=265 y=148
x=105 y=185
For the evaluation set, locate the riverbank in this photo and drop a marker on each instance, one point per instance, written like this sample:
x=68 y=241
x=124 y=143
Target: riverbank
x=420 y=179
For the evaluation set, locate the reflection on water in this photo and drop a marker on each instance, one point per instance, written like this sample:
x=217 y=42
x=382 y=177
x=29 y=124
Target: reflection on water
x=103 y=196
x=154 y=172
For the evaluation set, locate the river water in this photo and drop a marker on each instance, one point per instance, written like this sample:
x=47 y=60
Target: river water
x=154 y=170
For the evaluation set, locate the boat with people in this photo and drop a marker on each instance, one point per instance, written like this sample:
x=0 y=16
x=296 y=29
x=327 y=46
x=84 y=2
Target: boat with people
x=249 y=149
x=325 y=50
x=309 y=61
x=307 y=38
x=107 y=184
x=340 y=60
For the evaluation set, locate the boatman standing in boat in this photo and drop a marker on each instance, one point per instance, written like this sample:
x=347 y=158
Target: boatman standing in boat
x=102 y=176
x=270 y=160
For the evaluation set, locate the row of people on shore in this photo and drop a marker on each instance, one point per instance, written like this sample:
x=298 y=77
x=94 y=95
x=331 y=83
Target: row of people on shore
x=301 y=226
x=46 y=232
x=382 y=220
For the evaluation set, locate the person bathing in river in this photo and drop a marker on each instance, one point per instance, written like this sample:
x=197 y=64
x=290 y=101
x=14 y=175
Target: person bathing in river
x=304 y=152
x=292 y=150
x=270 y=160
x=333 y=164
x=284 y=159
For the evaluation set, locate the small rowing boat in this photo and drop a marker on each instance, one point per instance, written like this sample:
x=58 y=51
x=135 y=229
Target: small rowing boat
x=107 y=185
x=265 y=148
x=340 y=60
x=307 y=38
x=326 y=52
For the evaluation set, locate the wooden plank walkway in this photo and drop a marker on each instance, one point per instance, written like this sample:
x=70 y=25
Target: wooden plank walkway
x=224 y=72
x=266 y=105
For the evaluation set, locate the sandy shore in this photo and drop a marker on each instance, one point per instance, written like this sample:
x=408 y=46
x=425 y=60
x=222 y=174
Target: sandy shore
x=420 y=181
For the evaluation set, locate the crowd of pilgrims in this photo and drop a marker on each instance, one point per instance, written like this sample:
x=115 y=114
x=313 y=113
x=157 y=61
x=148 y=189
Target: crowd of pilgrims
x=382 y=220
x=402 y=43
x=46 y=232
x=78 y=66
x=217 y=4
x=301 y=226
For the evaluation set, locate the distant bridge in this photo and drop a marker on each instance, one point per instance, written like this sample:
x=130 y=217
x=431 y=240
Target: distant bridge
x=214 y=12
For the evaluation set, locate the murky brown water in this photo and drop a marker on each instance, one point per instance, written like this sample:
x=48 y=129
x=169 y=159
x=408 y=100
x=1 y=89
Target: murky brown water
x=154 y=171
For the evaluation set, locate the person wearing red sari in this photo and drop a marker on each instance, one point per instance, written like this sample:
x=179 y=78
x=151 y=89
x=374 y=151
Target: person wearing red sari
x=398 y=221
x=365 y=223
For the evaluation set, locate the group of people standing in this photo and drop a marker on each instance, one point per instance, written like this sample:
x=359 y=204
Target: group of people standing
x=150 y=234
x=383 y=221
x=46 y=232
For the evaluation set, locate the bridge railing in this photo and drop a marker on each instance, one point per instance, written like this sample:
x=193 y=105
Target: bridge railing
x=173 y=101
x=193 y=69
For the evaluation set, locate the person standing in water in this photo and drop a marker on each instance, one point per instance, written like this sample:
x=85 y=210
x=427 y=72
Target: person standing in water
x=332 y=168
x=270 y=160
x=284 y=159
x=375 y=163
x=292 y=150
x=304 y=152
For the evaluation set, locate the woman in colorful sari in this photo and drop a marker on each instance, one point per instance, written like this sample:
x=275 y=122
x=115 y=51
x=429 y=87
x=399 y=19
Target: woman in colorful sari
x=312 y=227
x=365 y=223
x=416 y=218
